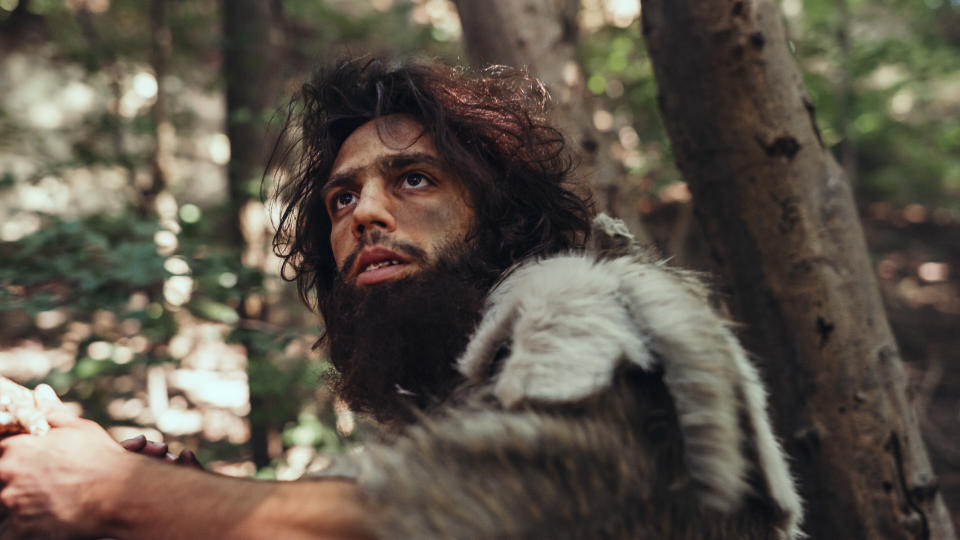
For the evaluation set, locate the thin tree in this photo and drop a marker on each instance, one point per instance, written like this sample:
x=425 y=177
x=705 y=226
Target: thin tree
x=161 y=47
x=782 y=223
x=248 y=68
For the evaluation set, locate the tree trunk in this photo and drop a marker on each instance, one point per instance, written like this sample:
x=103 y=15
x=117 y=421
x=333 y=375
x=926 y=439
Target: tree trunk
x=782 y=222
x=249 y=65
x=161 y=46
x=108 y=63
x=541 y=36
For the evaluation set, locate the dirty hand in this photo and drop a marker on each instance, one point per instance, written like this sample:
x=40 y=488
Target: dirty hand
x=57 y=485
x=141 y=445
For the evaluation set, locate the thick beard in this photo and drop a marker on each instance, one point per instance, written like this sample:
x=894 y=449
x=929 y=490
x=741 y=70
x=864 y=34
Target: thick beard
x=395 y=344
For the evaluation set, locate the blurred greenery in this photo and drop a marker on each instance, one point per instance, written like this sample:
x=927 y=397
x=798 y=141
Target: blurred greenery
x=111 y=283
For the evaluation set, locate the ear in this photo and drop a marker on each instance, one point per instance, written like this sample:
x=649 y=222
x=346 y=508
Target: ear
x=494 y=331
x=610 y=236
x=713 y=384
x=566 y=329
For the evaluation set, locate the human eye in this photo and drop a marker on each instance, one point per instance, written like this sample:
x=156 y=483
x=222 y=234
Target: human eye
x=415 y=180
x=340 y=200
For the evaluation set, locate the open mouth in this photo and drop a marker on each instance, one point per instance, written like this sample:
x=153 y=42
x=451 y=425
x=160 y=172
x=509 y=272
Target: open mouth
x=378 y=264
x=384 y=264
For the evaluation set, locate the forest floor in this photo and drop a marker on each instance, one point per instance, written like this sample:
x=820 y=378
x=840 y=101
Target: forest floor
x=916 y=257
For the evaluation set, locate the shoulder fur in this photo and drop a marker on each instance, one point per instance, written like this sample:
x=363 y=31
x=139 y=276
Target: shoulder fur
x=562 y=327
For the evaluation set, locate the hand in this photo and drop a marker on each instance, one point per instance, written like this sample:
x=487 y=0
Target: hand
x=141 y=445
x=54 y=485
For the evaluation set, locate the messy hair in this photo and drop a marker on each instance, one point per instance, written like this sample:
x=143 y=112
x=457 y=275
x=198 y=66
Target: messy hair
x=488 y=126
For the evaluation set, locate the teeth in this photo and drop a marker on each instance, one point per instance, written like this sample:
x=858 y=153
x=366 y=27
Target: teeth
x=381 y=264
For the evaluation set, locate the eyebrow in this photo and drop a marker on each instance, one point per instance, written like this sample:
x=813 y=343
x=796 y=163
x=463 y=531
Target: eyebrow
x=384 y=165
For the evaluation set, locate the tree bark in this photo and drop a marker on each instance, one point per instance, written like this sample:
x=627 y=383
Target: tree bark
x=782 y=222
x=541 y=36
x=249 y=69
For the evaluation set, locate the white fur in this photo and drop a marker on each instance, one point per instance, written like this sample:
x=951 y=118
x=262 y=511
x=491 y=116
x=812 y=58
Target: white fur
x=572 y=320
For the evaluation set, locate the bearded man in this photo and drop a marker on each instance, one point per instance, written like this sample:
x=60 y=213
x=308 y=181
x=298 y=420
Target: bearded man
x=535 y=373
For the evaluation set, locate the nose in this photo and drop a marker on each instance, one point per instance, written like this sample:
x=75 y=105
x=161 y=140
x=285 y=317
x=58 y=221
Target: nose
x=374 y=210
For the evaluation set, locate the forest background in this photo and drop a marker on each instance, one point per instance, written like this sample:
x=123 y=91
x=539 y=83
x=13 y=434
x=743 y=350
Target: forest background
x=136 y=275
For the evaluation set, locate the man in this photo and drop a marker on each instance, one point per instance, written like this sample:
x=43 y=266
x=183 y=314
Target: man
x=599 y=395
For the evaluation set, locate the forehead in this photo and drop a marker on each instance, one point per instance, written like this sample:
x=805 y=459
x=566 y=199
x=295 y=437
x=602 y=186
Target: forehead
x=388 y=135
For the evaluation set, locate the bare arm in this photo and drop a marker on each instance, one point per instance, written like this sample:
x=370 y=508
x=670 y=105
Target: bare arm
x=76 y=481
x=197 y=504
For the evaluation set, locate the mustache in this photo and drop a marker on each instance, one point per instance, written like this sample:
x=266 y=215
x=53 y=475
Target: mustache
x=378 y=237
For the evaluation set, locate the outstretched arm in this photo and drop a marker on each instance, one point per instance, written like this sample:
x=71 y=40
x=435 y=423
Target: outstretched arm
x=76 y=481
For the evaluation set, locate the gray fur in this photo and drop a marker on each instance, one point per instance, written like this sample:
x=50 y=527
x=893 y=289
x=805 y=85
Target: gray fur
x=609 y=466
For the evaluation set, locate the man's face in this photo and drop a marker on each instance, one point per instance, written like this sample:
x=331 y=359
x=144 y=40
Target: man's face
x=392 y=203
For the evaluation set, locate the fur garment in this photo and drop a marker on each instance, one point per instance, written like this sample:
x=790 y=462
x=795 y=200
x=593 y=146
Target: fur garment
x=607 y=399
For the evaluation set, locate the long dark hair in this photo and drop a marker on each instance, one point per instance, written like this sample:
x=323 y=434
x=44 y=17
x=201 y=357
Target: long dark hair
x=488 y=126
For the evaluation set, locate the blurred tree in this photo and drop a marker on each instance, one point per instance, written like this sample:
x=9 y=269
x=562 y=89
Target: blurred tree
x=541 y=37
x=250 y=77
x=783 y=226
x=161 y=46
x=21 y=27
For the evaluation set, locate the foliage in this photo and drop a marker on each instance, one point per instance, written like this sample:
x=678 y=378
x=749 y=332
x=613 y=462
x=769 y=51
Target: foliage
x=901 y=105
x=618 y=69
x=892 y=100
x=89 y=264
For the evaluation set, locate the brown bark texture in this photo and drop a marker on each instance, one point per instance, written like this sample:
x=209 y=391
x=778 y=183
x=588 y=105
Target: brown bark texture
x=249 y=66
x=783 y=226
x=541 y=37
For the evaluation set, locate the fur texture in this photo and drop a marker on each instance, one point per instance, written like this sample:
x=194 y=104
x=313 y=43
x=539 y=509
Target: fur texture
x=609 y=401
x=610 y=466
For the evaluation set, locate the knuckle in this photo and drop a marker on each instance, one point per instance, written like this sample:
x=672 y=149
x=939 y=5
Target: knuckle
x=10 y=499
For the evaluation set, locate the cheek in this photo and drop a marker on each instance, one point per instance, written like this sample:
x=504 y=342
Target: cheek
x=460 y=218
x=436 y=223
x=340 y=242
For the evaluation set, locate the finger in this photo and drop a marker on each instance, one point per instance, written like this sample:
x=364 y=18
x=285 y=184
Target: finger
x=135 y=444
x=154 y=449
x=49 y=403
x=188 y=458
x=45 y=395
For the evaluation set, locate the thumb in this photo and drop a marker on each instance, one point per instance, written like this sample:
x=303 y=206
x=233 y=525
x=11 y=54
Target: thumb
x=50 y=405
x=46 y=397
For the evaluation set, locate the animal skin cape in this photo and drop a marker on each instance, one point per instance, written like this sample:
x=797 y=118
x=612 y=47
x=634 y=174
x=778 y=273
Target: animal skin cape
x=606 y=399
